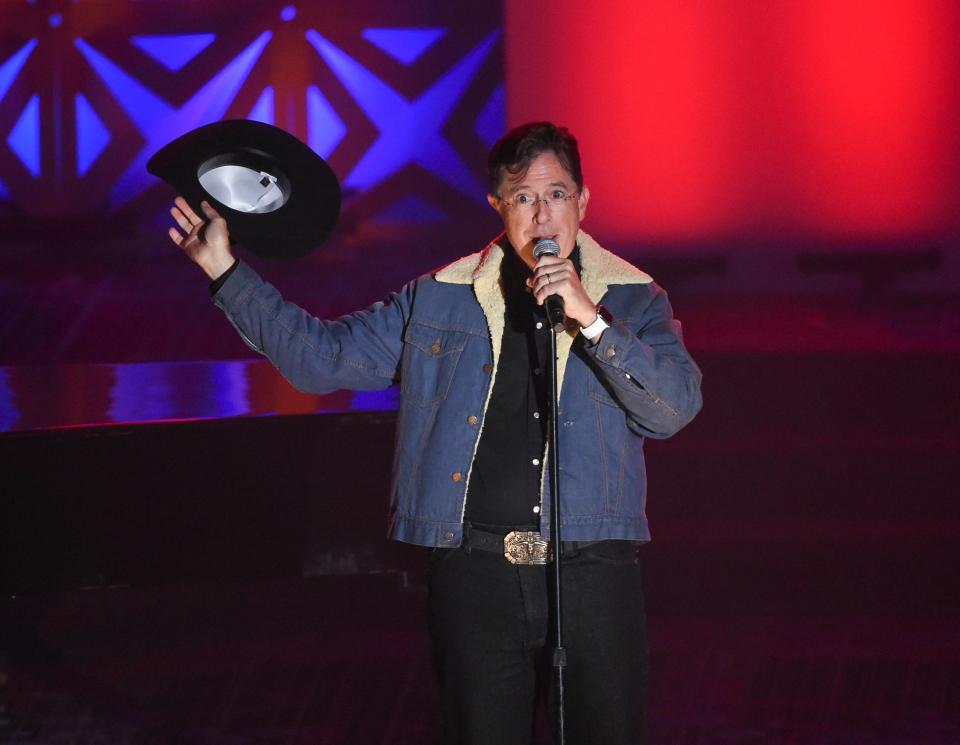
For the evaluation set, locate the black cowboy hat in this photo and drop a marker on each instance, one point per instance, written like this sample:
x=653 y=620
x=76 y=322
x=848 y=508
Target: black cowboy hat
x=280 y=199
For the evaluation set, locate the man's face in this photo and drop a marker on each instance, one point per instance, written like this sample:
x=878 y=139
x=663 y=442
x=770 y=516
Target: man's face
x=526 y=214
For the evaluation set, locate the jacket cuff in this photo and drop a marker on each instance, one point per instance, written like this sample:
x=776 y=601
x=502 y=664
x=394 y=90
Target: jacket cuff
x=240 y=283
x=218 y=282
x=611 y=346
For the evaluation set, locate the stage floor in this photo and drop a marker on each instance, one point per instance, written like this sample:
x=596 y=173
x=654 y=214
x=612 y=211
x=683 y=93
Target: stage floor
x=345 y=660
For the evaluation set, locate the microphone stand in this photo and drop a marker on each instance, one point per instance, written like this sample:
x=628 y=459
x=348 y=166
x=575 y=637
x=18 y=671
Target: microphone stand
x=559 y=652
x=554 y=308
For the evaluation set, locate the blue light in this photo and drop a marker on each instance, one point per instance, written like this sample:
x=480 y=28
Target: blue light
x=263 y=110
x=92 y=135
x=404 y=44
x=24 y=138
x=288 y=13
x=324 y=128
x=55 y=20
x=174 y=51
x=141 y=393
x=410 y=131
x=11 y=68
x=151 y=391
x=386 y=400
x=142 y=105
x=229 y=386
x=8 y=407
x=492 y=121
x=159 y=122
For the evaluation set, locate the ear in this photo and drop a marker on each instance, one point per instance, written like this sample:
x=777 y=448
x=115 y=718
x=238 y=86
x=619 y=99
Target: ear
x=582 y=201
x=493 y=202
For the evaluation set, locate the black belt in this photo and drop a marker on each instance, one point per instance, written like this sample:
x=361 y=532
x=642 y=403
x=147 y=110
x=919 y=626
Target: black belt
x=518 y=546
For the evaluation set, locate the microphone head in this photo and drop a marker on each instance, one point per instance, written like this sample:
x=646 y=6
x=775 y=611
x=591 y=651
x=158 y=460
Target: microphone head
x=546 y=247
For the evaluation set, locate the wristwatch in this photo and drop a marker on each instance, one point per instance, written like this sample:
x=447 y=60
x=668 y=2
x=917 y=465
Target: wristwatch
x=604 y=320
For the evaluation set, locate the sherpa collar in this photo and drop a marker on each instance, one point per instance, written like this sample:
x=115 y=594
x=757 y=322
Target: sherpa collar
x=599 y=267
x=598 y=270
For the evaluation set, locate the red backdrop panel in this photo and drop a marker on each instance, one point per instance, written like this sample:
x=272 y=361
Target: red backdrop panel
x=713 y=119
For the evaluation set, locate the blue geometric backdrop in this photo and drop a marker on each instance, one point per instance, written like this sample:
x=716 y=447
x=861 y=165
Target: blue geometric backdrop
x=402 y=102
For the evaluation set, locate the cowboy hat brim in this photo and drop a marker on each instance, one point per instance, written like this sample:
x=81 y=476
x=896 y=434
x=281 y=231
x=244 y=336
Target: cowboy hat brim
x=311 y=192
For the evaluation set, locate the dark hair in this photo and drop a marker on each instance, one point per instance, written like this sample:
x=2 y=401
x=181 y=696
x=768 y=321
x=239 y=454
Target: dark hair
x=516 y=150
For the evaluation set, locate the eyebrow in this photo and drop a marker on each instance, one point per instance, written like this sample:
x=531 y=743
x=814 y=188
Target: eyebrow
x=551 y=185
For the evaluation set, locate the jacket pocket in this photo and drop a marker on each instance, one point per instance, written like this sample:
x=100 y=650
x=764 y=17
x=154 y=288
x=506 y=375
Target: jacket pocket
x=430 y=357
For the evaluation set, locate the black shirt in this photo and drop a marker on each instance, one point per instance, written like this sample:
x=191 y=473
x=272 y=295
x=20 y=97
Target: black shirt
x=505 y=477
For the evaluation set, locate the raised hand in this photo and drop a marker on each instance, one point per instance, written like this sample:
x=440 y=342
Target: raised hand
x=205 y=241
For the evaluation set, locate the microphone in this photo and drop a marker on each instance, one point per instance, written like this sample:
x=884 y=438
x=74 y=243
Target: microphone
x=553 y=303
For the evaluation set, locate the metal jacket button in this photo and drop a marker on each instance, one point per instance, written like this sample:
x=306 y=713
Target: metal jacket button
x=435 y=348
x=457 y=476
x=488 y=368
x=472 y=419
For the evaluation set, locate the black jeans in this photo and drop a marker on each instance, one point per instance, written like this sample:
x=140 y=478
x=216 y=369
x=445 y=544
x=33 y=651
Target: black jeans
x=490 y=627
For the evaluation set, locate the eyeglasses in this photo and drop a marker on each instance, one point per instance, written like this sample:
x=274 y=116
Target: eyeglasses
x=529 y=203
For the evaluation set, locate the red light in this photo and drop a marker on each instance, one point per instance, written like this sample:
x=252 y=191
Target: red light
x=710 y=119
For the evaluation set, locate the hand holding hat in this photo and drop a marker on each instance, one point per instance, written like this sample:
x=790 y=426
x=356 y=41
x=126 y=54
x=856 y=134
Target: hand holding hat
x=279 y=197
x=206 y=243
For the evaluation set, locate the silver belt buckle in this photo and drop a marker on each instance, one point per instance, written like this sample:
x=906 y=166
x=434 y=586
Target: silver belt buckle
x=526 y=547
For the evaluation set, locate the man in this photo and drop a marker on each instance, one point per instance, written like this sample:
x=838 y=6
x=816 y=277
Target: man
x=468 y=345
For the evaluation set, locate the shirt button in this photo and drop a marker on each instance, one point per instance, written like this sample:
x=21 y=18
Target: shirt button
x=488 y=369
x=457 y=476
x=536 y=510
x=539 y=324
x=536 y=415
x=537 y=371
x=472 y=419
x=536 y=461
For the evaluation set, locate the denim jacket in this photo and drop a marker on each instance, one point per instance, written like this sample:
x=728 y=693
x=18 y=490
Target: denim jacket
x=440 y=336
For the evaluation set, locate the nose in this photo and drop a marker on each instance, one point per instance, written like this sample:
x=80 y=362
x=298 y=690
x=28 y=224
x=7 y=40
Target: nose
x=541 y=211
